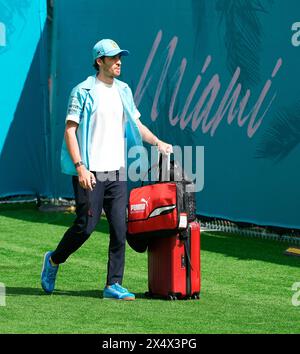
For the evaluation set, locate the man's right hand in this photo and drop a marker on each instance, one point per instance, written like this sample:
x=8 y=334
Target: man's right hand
x=86 y=178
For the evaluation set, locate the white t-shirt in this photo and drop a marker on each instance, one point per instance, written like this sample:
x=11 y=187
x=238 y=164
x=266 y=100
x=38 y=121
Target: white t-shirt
x=107 y=149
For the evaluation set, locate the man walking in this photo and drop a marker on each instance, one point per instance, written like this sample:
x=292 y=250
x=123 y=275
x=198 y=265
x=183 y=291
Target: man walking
x=101 y=113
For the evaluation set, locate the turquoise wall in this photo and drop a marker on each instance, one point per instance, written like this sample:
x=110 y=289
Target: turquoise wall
x=243 y=107
x=24 y=125
x=222 y=74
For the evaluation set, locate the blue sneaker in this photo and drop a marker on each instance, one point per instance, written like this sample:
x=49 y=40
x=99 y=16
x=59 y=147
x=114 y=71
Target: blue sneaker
x=116 y=291
x=48 y=275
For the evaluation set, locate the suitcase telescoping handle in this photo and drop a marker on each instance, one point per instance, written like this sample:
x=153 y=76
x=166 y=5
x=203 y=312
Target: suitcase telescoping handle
x=162 y=168
x=164 y=162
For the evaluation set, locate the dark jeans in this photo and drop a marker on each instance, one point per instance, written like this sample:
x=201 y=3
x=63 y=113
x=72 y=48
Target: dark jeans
x=112 y=197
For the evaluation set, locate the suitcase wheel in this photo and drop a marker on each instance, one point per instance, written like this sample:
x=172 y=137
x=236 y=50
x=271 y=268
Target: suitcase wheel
x=195 y=296
x=172 y=297
x=148 y=294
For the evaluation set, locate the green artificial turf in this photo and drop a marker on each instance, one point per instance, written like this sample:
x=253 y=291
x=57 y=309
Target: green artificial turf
x=246 y=284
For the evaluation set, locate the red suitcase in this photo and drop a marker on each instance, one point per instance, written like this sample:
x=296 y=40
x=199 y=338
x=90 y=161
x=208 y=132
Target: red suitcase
x=174 y=265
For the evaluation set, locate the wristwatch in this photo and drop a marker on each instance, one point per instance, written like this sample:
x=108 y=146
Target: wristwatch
x=79 y=163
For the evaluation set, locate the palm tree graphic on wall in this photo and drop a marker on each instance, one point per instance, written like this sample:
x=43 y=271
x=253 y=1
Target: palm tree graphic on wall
x=243 y=41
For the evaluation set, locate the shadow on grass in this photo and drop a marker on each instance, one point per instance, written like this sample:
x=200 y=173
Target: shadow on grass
x=246 y=248
x=38 y=291
x=29 y=212
x=98 y=294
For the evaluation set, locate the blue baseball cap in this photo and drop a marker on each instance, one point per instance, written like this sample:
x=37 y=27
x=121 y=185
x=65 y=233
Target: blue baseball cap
x=108 y=48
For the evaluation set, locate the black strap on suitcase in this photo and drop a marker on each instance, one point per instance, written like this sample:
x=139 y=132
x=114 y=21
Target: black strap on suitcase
x=185 y=236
